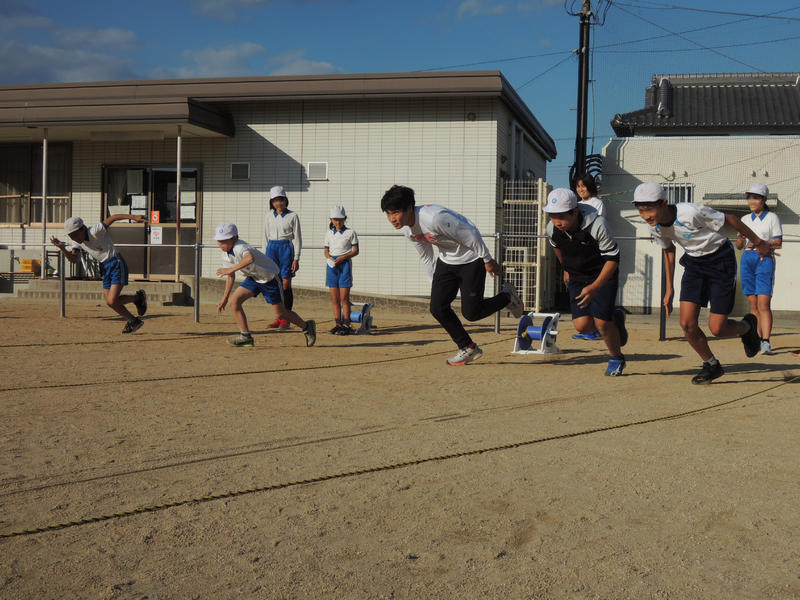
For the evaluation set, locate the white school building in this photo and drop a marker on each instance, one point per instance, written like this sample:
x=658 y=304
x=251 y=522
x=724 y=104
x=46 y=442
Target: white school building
x=109 y=147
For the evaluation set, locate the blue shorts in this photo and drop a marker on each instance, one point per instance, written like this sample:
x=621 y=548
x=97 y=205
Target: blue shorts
x=710 y=279
x=115 y=272
x=340 y=276
x=272 y=289
x=757 y=274
x=282 y=254
x=601 y=306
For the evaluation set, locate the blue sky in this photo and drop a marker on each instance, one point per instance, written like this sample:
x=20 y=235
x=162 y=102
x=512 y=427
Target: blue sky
x=530 y=41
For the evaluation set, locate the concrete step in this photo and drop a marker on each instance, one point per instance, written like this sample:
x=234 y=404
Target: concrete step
x=158 y=293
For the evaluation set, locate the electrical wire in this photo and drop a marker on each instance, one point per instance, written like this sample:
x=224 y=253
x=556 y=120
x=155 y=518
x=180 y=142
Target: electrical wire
x=661 y=6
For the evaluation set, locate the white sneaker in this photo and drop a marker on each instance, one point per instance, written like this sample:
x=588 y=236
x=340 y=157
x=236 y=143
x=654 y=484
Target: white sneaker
x=766 y=348
x=515 y=305
x=465 y=356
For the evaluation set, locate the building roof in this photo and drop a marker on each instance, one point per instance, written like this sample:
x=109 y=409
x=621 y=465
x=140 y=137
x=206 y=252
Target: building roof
x=201 y=104
x=716 y=104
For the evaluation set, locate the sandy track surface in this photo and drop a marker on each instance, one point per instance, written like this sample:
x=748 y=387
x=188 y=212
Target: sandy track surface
x=514 y=477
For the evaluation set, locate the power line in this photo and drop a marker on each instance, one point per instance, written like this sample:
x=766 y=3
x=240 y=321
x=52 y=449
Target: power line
x=669 y=50
x=690 y=41
x=532 y=79
x=661 y=6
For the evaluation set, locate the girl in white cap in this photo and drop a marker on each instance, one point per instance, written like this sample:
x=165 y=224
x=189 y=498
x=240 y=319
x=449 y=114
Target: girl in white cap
x=341 y=244
x=284 y=242
x=757 y=272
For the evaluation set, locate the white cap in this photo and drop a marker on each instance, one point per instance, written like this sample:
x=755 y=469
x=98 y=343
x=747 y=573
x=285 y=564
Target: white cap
x=337 y=212
x=277 y=191
x=225 y=231
x=72 y=224
x=759 y=189
x=649 y=191
x=561 y=200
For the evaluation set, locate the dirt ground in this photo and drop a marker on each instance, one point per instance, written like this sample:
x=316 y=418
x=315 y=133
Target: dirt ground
x=514 y=477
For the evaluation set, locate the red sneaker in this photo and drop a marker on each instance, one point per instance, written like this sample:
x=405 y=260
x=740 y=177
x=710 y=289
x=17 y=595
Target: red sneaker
x=284 y=324
x=275 y=324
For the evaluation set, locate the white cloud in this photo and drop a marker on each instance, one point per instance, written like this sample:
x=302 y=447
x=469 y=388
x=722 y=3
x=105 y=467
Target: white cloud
x=22 y=63
x=111 y=37
x=231 y=61
x=529 y=6
x=475 y=8
x=293 y=62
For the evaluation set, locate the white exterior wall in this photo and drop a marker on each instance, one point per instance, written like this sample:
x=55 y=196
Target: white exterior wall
x=426 y=144
x=713 y=165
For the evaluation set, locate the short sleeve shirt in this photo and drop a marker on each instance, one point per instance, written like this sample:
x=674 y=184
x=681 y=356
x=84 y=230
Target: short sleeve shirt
x=697 y=229
x=340 y=242
x=98 y=243
x=262 y=269
x=585 y=251
x=767 y=226
x=597 y=204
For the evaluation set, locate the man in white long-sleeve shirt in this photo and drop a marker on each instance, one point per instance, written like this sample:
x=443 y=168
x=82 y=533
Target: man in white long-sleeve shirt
x=462 y=264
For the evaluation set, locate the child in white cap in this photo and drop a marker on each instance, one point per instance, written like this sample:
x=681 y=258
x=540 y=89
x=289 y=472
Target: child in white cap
x=96 y=241
x=261 y=277
x=758 y=272
x=341 y=245
x=284 y=243
x=462 y=264
x=709 y=270
x=585 y=246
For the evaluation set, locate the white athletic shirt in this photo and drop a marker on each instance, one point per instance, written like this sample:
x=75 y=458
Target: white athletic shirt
x=767 y=226
x=597 y=204
x=98 y=243
x=284 y=226
x=457 y=238
x=340 y=242
x=262 y=269
x=696 y=229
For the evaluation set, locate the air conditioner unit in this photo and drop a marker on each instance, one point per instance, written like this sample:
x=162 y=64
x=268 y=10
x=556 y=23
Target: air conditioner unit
x=317 y=171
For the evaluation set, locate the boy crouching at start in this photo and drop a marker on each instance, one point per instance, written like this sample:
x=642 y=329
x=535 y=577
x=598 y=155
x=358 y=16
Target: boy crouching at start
x=589 y=253
x=261 y=277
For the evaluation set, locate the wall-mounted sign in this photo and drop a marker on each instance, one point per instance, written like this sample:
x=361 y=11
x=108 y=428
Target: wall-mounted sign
x=156 y=235
x=155 y=216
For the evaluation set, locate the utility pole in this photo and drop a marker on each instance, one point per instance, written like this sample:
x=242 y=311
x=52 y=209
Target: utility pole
x=579 y=167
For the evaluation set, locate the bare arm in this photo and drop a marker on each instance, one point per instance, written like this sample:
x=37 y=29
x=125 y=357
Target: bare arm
x=247 y=259
x=72 y=255
x=669 y=268
x=114 y=218
x=764 y=248
x=228 y=287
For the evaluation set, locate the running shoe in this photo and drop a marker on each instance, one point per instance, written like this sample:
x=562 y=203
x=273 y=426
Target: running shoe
x=591 y=336
x=750 y=340
x=141 y=302
x=466 y=355
x=708 y=374
x=275 y=324
x=311 y=333
x=515 y=305
x=346 y=330
x=132 y=325
x=615 y=366
x=241 y=341
x=619 y=320
x=284 y=324
x=335 y=329
x=766 y=348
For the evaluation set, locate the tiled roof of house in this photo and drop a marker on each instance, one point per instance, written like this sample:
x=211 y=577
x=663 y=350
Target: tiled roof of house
x=716 y=104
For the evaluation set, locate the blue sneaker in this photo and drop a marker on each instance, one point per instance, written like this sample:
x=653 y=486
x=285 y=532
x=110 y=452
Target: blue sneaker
x=615 y=366
x=591 y=336
x=619 y=321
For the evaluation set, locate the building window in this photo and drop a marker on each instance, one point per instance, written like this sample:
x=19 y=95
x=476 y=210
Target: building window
x=21 y=183
x=679 y=192
x=317 y=171
x=240 y=171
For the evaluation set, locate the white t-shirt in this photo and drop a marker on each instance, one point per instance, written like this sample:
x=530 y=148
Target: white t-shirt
x=597 y=204
x=696 y=229
x=284 y=226
x=457 y=238
x=340 y=242
x=262 y=269
x=98 y=243
x=767 y=226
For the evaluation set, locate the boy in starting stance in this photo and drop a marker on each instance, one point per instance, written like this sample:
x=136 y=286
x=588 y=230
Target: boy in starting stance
x=584 y=245
x=462 y=265
x=261 y=277
x=709 y=270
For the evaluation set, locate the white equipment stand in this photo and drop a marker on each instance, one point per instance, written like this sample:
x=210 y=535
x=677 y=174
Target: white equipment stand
x=528 y=333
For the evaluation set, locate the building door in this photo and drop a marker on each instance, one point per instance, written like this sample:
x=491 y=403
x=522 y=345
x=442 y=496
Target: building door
x=151 y=192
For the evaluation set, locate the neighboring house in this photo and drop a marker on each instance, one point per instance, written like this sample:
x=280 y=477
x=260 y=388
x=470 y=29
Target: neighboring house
x=329 y=139
x=706 y=138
